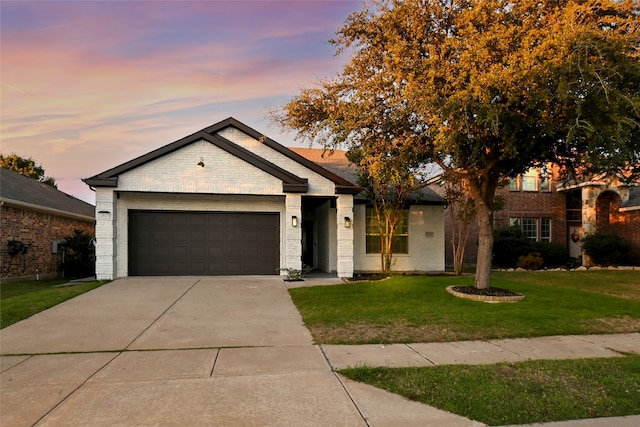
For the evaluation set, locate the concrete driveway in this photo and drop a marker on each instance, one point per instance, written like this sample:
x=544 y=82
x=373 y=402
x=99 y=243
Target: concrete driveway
x=188 y=351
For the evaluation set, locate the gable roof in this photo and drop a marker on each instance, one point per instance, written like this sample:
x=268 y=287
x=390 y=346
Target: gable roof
x=291 y=183
x=336 y=161
x=20 y=190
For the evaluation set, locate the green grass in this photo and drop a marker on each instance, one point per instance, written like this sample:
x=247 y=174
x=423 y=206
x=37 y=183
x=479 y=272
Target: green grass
x=518 y=393
x=624 y=284
x=20 y=300
x=418 y=308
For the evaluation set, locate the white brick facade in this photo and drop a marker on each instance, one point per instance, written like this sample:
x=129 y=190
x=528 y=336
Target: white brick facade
x=105 y=233
x=178 y=172
x=345 y=235
x=318 y=185
x=426 y=242
x=293 y=234
x=241 y=173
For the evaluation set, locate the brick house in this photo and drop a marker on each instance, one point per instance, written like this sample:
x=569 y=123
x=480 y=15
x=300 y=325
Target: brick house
x=548 y=210
x=227 y=200
x=36 y=216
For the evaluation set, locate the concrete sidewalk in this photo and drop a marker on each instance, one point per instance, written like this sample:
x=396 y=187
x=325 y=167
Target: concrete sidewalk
x=492 y=351
x=225 y=351
x=482 y=352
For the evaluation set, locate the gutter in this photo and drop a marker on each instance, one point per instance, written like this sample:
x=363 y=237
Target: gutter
x=629 y=209
x=44 y=209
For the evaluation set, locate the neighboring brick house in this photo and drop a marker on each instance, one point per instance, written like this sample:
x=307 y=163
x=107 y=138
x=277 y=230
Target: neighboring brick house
x=603 y=205
x=548 y=210
x=226 y=200
x=34 y=216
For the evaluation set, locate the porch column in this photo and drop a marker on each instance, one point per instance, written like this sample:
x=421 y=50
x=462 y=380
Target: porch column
x=344 y=207
x=590 y=194
x=105 y=233
x=293 y=235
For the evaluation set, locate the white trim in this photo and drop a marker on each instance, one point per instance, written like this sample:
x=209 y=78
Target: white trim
x=629 y=209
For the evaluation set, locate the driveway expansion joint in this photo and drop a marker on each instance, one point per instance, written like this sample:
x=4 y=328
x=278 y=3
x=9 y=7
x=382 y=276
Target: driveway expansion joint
x=162 y=314
x=213 y=367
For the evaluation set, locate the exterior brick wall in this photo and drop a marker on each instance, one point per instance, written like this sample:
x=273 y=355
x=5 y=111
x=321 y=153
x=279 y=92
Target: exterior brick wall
x=533 y=204
x=517 y=204
x=553 y=204
x=39 y=229
x=623 y=224
x=629 y=229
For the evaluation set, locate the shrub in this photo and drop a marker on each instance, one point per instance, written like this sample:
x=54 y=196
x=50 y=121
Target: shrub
x=607 y=249
x=509 y=244
x=532 y=261
x=79 y=258
x=554 y=254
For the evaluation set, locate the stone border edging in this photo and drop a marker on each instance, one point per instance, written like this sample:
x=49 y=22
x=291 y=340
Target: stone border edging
x=581 y=268
x=485 y=298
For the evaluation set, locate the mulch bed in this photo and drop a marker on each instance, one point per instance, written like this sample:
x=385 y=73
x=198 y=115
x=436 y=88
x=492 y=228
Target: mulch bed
x=491 y=292
x=487 y=295
x=368 y=277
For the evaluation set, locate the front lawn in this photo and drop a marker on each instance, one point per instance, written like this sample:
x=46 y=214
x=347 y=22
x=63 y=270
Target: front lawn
x=418 y=308
x=518 y=393
x=19 y=300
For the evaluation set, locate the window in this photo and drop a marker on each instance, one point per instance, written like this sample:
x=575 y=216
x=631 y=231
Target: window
x=545 y=229
x=530 y=228
x=514 y=185
x=400 y=244
x=536 y=229
x=532 y=180
x=545 y=185
x=574 y=206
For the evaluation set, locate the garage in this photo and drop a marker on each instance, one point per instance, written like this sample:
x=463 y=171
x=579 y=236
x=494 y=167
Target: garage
x=178 y=243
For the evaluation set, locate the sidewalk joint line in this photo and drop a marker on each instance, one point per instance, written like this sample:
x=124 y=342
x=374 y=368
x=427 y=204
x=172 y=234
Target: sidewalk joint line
x=421 y=355
x=509 y=350
x=346 y=390
x=326 y=358
x=344 y=387
x=28 y=356
x=72 y=392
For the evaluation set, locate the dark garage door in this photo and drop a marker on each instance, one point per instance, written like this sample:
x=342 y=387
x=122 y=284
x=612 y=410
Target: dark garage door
x=203 y=243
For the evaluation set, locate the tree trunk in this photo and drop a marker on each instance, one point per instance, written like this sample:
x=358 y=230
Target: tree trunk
x=483 y=191
x=485 y=247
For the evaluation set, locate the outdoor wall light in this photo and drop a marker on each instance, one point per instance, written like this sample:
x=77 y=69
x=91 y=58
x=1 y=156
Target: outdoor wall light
x=294 y=221
x=201 y=162
x=347 y=222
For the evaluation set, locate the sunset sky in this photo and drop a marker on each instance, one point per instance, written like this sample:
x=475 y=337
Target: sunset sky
x=87 y=85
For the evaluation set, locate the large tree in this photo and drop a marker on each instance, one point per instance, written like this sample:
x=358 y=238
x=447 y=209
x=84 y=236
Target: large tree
x=486 y=89
x=26 y=166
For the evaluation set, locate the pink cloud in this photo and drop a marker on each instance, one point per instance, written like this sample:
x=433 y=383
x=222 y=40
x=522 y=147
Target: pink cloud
x=89 y=85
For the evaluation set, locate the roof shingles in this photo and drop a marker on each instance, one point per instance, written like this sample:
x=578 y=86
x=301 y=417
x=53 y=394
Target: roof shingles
x=20 y=188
